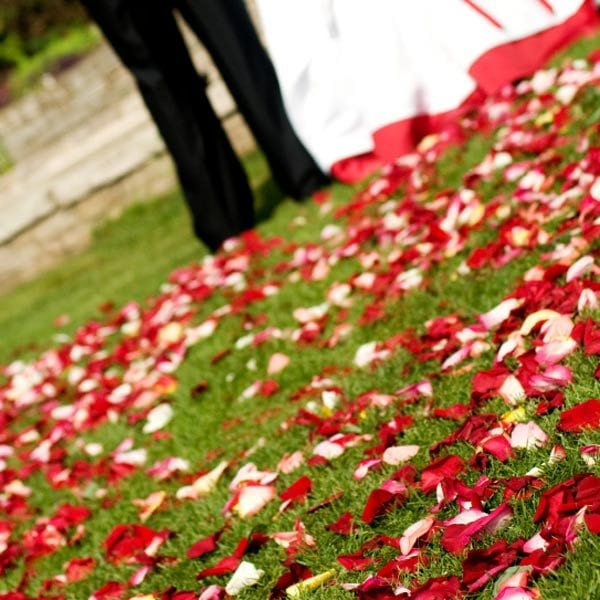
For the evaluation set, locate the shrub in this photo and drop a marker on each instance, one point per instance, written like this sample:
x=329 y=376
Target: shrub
x=26 y=26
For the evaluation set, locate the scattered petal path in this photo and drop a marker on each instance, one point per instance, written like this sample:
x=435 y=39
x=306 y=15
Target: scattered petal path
x=529 y=364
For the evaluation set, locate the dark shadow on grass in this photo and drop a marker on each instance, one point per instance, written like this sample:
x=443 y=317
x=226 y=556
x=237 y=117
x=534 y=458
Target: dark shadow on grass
x=267 y=196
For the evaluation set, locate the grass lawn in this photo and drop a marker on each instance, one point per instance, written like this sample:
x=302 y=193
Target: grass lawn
x=392 y=386
x=129 y=259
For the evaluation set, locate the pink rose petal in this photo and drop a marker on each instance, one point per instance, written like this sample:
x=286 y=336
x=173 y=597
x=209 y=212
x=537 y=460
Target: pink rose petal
x=579 y=268
x=499 y=313
x=277 y=363
x=252 y=498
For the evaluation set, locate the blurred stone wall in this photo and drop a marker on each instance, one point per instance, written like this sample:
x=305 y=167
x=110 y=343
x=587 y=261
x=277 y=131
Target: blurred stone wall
x=83 y=147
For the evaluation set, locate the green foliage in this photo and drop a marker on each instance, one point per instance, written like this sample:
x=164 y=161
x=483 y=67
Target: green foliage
x=37 y=36
x=27 y=25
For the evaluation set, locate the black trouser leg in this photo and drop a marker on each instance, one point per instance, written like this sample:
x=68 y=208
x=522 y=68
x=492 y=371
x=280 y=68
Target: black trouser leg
x=146 y=37
x=226 y=30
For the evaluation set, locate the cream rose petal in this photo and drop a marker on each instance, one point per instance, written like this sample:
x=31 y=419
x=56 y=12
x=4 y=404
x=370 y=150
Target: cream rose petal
x=395 y=455
x=511 y=391
x=413 y=533
x=537 y=317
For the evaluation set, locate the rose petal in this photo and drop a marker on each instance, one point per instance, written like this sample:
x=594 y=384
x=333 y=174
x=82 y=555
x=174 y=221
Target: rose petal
x=527 y=436
x=413 y=533
x=511 y=391
x=245 y=575
x=579 y=268
x=252 y=498
x=158 y=417
x=395 y=455
x=537 y=317
x=277 y=363
x=499 y=313
x=581 y=416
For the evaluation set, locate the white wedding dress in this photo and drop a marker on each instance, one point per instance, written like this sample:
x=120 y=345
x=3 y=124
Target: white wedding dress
x=349 y=69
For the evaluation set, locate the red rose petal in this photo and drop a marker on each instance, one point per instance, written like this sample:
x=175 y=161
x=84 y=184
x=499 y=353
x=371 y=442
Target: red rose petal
x=344 y=525
x=448 y=466
x=204 y=546
x=580 y=417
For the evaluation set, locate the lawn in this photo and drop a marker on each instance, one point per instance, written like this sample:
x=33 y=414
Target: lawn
x=388 y=391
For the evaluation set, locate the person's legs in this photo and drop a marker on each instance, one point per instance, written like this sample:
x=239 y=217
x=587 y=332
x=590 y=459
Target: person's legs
x=148 y=41
x=226 y=30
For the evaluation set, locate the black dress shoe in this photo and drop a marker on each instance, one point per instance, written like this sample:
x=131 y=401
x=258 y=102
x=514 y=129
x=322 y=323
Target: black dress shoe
x=313 y=182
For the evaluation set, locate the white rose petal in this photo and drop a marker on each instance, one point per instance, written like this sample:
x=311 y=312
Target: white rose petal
x=158 y=417
x=245 y=576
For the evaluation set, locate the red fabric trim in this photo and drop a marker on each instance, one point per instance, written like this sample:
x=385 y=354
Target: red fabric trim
x=355 y=168
x=397 y=139
x=518 y=59
x=402 y=137
x=492 y=70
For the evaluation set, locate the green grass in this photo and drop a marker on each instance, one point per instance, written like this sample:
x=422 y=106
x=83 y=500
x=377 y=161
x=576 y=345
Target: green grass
x=132 y=256
x=129 y=258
